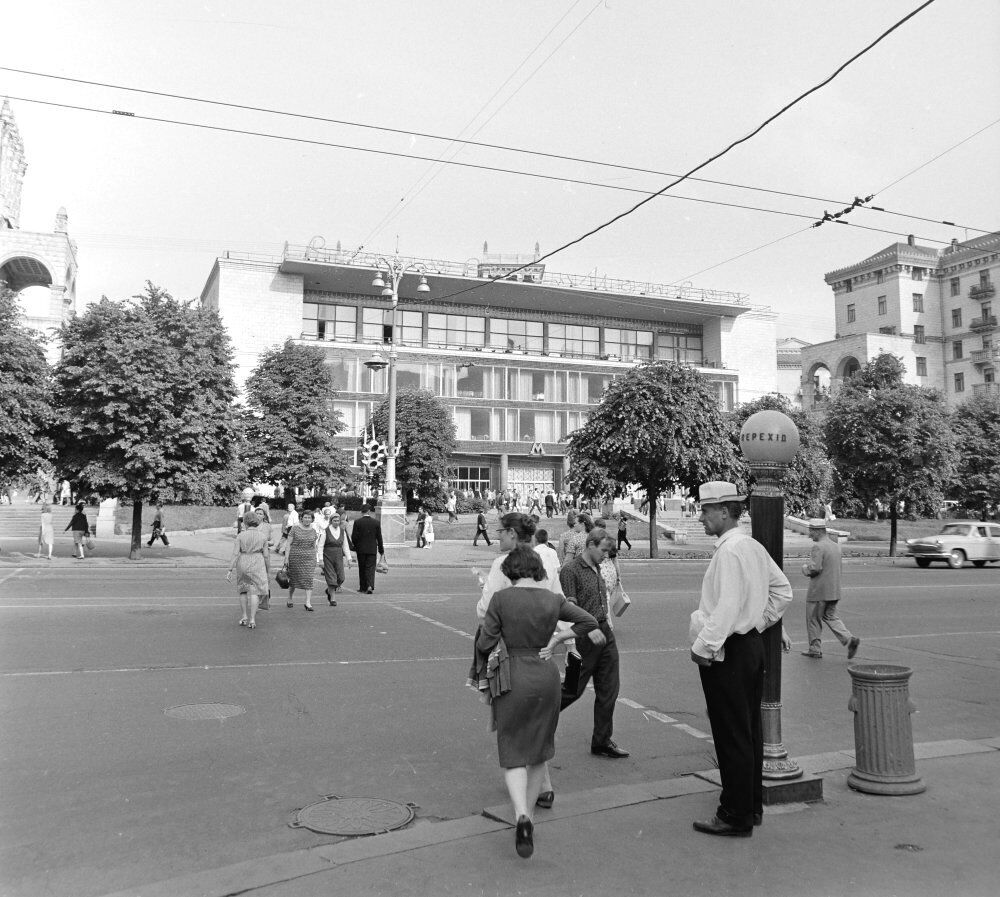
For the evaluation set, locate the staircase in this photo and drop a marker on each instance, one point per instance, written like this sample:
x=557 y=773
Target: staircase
x=21 y=520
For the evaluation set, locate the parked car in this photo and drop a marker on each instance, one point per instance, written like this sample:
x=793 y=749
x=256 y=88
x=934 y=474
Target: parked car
x=959 y=541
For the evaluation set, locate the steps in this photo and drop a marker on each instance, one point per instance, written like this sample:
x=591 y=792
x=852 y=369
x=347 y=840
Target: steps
x=21 y=521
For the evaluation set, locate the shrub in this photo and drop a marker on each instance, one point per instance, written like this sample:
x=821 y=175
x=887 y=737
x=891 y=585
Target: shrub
x=470 y=506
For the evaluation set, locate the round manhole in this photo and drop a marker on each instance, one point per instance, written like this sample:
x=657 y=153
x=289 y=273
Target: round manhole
x=353 y=816
x=205 y=711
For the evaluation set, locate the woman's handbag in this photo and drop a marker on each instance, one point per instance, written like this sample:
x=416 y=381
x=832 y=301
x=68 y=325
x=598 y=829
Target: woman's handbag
x=90 y=543
x=382 y=566
x=281 y=577
x=621 y=603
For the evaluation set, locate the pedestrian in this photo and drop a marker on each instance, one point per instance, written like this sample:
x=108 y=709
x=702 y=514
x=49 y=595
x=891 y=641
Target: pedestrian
x=452 y=506
x=535 y=498
x=334 y=549
x=576 y=544
x=612 y=572
x=46 y=534
x=367 y=539
x=550 y=505
x=623 y=531
x=823 y=570
x=481 y=530
x=291 y=519
x=81 y=531
x=429 y=531
x=159 y=527
x=65 y=493
x=524 y=617
x=242 y=509
x=515 y=529
x=301 y=557
x=583 y=584
x=540 y=541
x=252 y=568
x=743 y=593
x=573 y=526
x=421 y=522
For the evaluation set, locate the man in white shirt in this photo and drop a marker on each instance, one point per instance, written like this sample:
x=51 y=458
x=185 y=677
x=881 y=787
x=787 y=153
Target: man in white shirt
x=743 y=593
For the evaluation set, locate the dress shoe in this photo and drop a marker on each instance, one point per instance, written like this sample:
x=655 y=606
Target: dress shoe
x=852 y=647
x=816 y=655
x=524 y=841
x=716 y=826
x=609 y=749
x=546 y=799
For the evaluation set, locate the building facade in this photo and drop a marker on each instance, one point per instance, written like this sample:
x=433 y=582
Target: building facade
x=520 y=361
x=934 y=308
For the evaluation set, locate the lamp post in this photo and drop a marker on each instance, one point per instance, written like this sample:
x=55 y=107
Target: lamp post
x=388 y=276
x=770 y=440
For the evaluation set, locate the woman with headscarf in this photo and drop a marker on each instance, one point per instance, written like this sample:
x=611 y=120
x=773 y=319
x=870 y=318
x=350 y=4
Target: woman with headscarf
x=300 y=558
x=334 y=550
x=251 y=566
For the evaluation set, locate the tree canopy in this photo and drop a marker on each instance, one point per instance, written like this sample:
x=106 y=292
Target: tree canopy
x=889 y=441
x=145 y=398
x=25 y=397
x=658 y=426
x=426 y=433
x=290 y=420
x=976 y=425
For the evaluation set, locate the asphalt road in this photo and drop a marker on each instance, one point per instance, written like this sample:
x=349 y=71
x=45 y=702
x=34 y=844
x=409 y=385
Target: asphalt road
x=102 y=789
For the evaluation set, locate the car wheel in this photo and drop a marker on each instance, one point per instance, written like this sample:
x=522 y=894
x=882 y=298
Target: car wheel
x=923 y=562
x=956 y=558
x=979 y=563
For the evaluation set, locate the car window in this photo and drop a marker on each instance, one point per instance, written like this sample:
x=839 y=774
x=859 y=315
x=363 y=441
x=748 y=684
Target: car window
x=981 y=530
x=955 y=529
x=995 y=532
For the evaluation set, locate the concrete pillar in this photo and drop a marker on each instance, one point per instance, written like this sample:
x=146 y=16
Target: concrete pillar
x=106 y=518
x=503 y=471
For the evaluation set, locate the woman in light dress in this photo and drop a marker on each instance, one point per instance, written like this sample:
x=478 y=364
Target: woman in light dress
x=252 y=568
x=46 y=535
x=429 y=531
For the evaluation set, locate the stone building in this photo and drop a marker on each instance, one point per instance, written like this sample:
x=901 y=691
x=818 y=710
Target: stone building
x=520 y=361
x=931 y=307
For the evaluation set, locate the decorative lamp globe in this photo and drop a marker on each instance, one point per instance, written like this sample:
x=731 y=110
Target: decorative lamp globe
x=769 y=437
x=376 y=362
x=378 y=283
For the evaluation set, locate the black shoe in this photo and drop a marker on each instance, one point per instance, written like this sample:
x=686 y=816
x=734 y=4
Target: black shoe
x=852 y=647
x=524 y=837
x=546 y=799
x=758 y=818
x=370 y=592
x=609 y=749
x=716 y=826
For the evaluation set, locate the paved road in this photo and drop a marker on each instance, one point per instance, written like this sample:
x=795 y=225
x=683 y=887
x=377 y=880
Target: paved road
x=103 y=790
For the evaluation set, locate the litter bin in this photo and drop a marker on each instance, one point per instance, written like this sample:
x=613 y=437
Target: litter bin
x=883 y=734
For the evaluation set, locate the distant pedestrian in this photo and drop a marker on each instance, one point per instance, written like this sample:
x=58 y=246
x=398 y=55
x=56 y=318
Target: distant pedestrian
x=334 y=549
x=81 y=531
x=429 y=531
x=242 y=509
x=159 y=527
x=481 y=530
x=534 y=499
x=291 y=519
x=301 y=559
x=823 y=570
x=367 y=538
x=252 y=568
x=46 y=535
x=265 y=524
x=623 y=531
x=421 y=522
x=549 y=556
x=452 y=506
x=550 y=504
x=573 y=526
x=576 y=545
x=743 y=593
x=65 y=493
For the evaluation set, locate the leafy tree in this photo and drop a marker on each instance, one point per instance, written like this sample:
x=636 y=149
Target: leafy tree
x=659 y=426
x=890 y=441
x=426 y=433
x=808 y=484
x=977 y=474
x=290 y=421
x=145 y=395
x=25 y=397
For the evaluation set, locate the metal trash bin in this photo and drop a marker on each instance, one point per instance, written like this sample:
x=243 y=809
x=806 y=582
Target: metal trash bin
x=883 y=734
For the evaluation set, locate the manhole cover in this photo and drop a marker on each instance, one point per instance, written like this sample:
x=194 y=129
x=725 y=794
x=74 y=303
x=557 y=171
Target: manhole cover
x=353 y=816
x=205 y=711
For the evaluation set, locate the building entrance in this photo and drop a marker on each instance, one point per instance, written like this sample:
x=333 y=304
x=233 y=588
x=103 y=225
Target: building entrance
x=525 y=478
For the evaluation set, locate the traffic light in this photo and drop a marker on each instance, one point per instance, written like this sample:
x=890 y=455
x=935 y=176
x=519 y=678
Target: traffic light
x=372 y=455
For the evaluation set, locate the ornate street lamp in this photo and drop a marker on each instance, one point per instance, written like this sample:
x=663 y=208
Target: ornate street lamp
x=388 y=275
x=770 y=440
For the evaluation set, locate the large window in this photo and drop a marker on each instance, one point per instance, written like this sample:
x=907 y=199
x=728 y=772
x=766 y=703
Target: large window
x=921 y=366
x=411 y=327
x=456 y=330
x=919 y=334
x=959 y=382
x=956 y=317
x=956 y=287
x=329 y=322
x=468 y=479
x=628 y=343
x=410 y=375
x=375 y=325
x=678 y=347
x=956 y=349
x=727 y=394
x=851 y=312
x=522 y=336
x=918 y=301
x=573 y=339
x=476 y=423
x=342 y=370
x=881 y=305
x=541 y=426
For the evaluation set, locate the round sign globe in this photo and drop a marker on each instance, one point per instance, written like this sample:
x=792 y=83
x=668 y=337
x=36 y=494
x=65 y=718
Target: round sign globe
x=769 y=436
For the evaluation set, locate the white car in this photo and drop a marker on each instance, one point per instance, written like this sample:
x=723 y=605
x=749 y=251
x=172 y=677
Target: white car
x=958 y=542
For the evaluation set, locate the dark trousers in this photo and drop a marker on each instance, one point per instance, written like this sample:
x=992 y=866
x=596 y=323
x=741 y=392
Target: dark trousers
x=549 y=511
x=733 y=690
x=158 y=534
x=333 y=568
x=623 y=537
x=421 y=541
x=481 y=533
x=601 y=663
x=366 y=571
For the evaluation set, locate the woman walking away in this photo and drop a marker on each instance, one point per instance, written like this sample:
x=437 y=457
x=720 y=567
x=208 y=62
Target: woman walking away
x=522 y=620
x=251 y=566
x=81 y=530
x=334 y=549
x=623 y=531
x=46 y=536
x=300 y=558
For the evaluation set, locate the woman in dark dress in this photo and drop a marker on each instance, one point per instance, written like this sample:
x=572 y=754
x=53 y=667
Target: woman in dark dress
x=525 y=617
x=300 y=558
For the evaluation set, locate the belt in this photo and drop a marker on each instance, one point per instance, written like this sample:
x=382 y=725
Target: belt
x=523 y=652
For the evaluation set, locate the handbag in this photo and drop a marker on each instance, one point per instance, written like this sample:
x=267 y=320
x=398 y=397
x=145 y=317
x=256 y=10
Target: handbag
x=621 y=603
x=281 y=577
x=382 y=566
x=90 y=544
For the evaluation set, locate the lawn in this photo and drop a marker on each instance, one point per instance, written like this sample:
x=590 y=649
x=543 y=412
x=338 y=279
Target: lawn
x=863 y=530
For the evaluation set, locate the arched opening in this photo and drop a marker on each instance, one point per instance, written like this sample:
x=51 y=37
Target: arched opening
x=31 y=280
x=817 y=387
x=849 y=367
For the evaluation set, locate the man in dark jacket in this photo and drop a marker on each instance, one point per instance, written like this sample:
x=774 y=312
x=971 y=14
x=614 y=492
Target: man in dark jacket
x=367 y=539
x=481 y=530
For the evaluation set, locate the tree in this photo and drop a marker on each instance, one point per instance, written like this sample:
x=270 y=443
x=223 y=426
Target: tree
x=808 y=484
x=976 y=425
x=658 y=426
x=426 y=432
x=145 y=399
x=25 y=397
x=889 y=441
x=290 y=421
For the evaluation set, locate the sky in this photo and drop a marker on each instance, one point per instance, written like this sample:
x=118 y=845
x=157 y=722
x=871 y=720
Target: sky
x=660 y=85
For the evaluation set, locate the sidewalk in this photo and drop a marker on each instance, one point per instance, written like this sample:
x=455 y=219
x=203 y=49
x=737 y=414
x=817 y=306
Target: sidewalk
x=638 y=840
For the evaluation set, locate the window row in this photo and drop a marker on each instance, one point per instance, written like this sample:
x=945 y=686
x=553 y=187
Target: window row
x=343 y=322
x=516 y=424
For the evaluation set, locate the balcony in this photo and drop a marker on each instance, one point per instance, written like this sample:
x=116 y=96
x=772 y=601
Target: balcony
x=985 y=356
x=986 y=322
x=986 y=389
x=981 y=292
